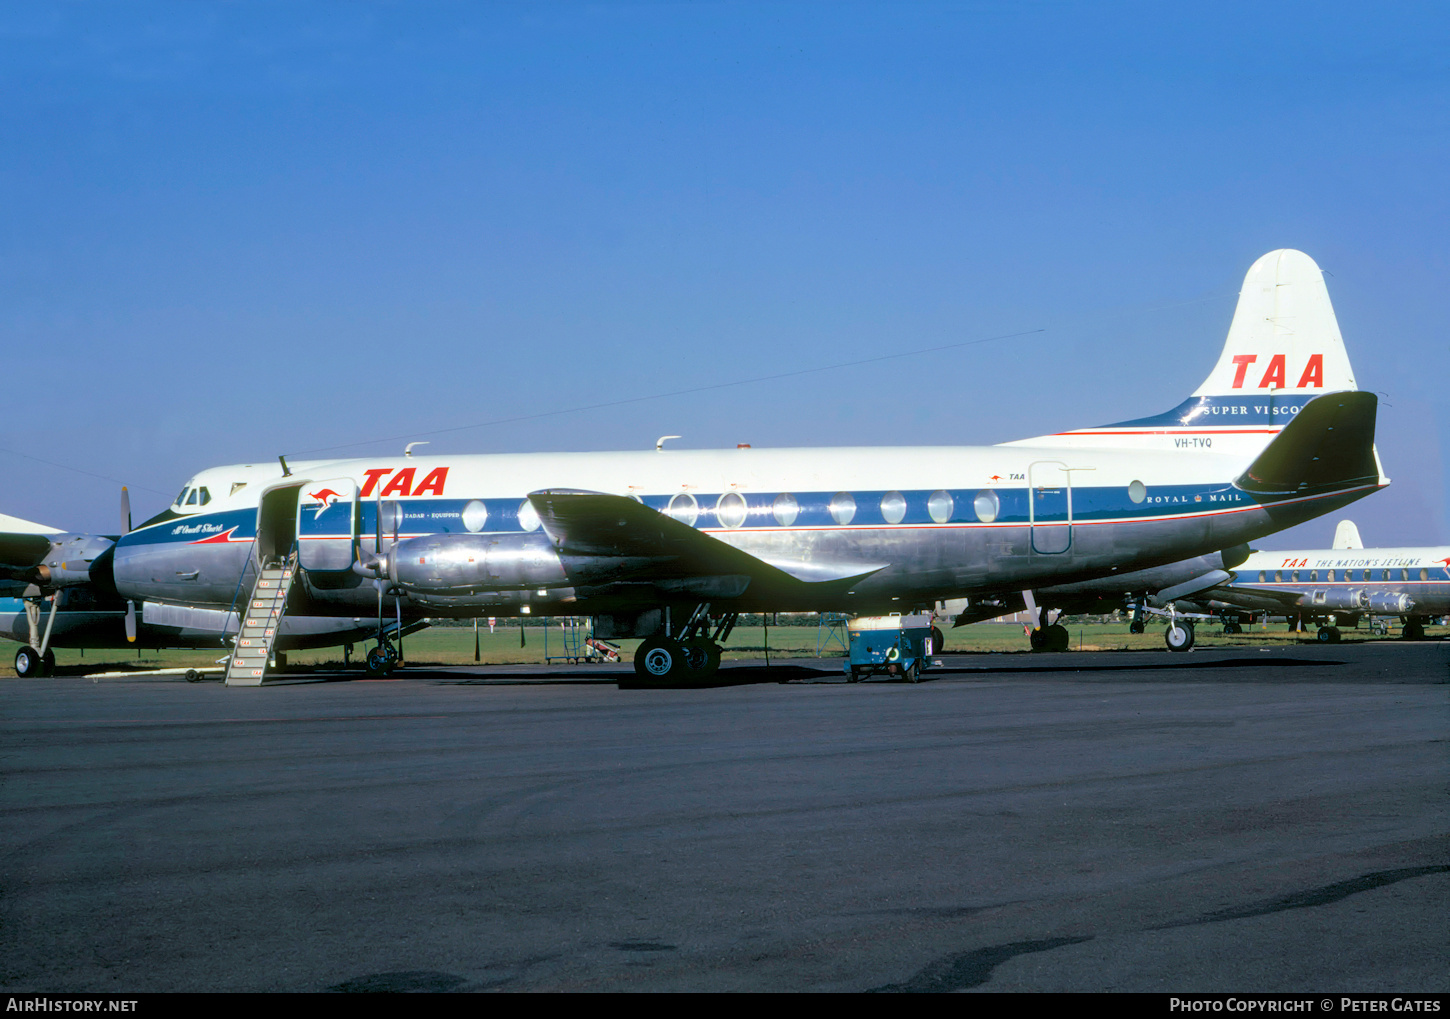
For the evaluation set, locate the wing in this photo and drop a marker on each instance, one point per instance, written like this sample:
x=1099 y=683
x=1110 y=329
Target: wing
x=605 y=537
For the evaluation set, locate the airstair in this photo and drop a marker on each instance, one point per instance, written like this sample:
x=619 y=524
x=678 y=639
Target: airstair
x=261 y=623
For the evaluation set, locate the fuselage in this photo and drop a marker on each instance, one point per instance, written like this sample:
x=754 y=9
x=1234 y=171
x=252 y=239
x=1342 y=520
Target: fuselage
x=1387 y=581
x=918 y=523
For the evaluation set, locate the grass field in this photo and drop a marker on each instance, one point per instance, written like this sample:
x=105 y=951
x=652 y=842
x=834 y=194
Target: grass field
x=452 y=645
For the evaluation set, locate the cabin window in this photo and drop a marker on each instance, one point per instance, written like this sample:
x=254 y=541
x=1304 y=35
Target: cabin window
x=1278 y=577
x=786 y=509
x=1261 y=576
x=1404 y=574
x=730 y=509
x=684 y=508
x=475 y=516
x=1137 y=491
x=987 y=506
x=893 y=507
x=528 y=516
x=843 y=508
x=1329 y=577
x=390 y=517
x=1424 y=574
x=1313 y=576
x=940 y=506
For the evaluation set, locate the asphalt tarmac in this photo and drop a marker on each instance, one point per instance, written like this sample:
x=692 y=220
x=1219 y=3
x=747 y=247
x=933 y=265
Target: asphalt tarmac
x=1239 y=820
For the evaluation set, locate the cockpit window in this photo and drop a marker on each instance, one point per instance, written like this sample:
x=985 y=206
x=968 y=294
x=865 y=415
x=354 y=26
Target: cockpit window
x=203 y=496
x=191 y=498
x=180 y=496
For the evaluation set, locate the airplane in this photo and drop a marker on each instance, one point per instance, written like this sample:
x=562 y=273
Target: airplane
x=1333 y=587
x=670 y=545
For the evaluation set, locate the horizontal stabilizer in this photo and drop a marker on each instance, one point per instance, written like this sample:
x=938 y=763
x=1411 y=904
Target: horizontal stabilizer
x=598 y=524
x=1190 y=587
x=1328 y=445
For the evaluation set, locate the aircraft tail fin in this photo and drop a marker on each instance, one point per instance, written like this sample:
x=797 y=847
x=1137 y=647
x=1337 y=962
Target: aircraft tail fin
x=1284 y=338
x=1283 y=349
x=1346 y=535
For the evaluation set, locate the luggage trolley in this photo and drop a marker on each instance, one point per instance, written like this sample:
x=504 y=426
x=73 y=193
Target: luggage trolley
x=900 y=646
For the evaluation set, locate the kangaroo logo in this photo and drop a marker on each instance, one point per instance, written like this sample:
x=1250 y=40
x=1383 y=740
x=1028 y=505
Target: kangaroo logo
x=327 y=497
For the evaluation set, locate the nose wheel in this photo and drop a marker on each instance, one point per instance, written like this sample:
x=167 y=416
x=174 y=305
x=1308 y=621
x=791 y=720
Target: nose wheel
x=1179 y=636
x=30 y=662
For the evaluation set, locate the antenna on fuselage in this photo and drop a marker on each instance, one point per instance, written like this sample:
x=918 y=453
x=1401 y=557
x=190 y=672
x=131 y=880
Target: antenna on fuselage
x=408 y=449
x=660 y=442
x=286 y=471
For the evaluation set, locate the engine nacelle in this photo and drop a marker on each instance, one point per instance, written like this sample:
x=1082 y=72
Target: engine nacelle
x=1340 y=598
x=468 y=563
x=1391 y=604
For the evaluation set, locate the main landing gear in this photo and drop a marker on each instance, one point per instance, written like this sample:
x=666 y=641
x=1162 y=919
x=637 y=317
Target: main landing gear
x=1328 y=635
x=689 y=658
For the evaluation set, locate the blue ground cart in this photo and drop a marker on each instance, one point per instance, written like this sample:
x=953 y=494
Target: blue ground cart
x=898 y=646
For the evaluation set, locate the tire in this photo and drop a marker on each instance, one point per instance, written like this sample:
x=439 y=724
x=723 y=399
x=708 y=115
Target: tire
x=1136 y=626
x=912 y=673
x=659 y=660
x=1328 y=635
x=1179 y=637
x=192 y=676
x=47 y=663
x=1413 y=631
x=381 y=660
x=938 y=642
x=701 y=658
x=1038 y=639
x=1058 y=639
x=27 y=662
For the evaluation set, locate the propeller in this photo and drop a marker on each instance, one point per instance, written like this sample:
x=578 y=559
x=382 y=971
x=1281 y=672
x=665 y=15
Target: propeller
x=126 y=529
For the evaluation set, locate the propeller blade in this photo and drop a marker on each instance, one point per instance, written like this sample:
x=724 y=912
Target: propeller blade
x=126 y=515
x=130 y=622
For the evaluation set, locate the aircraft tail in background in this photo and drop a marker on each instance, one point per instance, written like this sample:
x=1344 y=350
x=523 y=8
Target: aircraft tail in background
x=1346 y=535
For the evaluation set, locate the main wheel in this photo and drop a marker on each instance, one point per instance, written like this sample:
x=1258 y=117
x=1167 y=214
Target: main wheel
x=1179 y=636
x=659 y=659
x=1038 y=639
x=1136 y=626
x=27 y=662
x=1414 y=630
x=1328 y=635
x=701 y=658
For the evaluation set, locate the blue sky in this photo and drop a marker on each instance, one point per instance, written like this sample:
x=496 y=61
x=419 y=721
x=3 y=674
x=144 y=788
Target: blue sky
x=236 y=230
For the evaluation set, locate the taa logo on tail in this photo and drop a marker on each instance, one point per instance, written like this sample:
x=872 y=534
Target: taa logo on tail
x=1274 y=374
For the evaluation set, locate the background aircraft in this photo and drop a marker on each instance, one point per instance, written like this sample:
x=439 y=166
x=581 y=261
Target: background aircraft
x=1334 y=587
